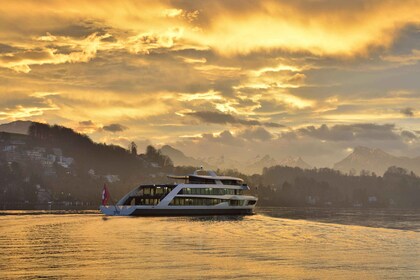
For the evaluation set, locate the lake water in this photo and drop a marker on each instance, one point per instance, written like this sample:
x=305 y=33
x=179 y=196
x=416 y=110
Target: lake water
x=263 y=246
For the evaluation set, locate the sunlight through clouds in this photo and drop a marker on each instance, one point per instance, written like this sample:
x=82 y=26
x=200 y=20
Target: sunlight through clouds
x=234 y=71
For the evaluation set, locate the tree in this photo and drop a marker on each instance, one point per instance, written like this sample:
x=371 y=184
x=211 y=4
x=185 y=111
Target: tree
x=133 y=148
x=396 y=171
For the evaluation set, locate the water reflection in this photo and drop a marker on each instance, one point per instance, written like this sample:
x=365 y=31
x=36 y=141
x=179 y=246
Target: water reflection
x=214 y=218
x=405 y=219
x=216 y=247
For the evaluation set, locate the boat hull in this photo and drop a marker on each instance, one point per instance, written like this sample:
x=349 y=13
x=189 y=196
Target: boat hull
x=190 y=212
x=134 y=211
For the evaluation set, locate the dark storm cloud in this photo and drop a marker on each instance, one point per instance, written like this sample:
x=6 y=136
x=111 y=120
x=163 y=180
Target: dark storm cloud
x=409 y=112
x=82 y=29
x=225 y=138
x=257 y=133
x=115 y=127
x=87 y=123
x=223 y=118
x=407 y=39
x=408 y=135
x=8 y=48
x=351 y=132
x=30 y=54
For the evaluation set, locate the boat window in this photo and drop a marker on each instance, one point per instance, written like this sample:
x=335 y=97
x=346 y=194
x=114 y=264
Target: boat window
x=147 y=201
x=196 y=201
x=130 y=201
x=231 y=182
x=251 y=202
x=210 y=191
x=234 y=202
x=239 y=192
x=198 y=180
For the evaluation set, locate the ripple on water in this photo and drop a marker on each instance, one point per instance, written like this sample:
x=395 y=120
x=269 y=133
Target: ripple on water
x=251 y=247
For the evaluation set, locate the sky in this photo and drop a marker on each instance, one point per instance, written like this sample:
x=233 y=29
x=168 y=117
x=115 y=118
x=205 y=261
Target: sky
x=309 y=78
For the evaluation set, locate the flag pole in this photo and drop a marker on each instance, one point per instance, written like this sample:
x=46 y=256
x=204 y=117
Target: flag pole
x=115 y=205
x=105 y=198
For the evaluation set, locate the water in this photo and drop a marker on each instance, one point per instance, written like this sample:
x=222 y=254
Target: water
x=90 y=246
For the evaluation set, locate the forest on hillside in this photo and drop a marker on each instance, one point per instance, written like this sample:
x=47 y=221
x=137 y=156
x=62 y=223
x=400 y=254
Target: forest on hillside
x=287 y=186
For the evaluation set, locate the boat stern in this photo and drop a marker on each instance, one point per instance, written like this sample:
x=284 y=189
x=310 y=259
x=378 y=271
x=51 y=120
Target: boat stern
x=115 y=210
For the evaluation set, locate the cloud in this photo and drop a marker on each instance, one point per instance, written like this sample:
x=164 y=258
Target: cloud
x=225 y=118
x=256 y=133
x=115 y=127
x=4 y=48
x=86 y=123
x=351 y=132
x=83 y=51
x=87 y=127
x=411 y=58
x=15 y=105
x=409 y=112
x=408 y=135
x=358 y=26
x=321 y=145
x=251 y=70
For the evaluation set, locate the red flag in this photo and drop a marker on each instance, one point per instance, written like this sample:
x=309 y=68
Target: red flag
x=105 y=195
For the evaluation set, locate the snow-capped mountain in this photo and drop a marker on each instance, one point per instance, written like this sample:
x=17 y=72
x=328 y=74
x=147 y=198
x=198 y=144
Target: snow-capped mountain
x=375 y=160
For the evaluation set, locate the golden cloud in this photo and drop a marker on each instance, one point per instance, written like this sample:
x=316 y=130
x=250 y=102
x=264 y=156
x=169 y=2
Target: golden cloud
x=347 y=29
x=149 y=61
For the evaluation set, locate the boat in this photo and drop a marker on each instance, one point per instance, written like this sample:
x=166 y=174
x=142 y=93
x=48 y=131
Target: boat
x=200 y=193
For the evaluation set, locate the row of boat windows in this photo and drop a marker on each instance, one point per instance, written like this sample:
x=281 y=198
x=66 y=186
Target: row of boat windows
x=195 y=201
x=151 y=191
x=210 y=191
x=193 y=180
x=198 y=201
x=147 y=201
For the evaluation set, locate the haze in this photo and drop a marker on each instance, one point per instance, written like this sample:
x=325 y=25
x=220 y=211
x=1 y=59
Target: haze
x=236 y=78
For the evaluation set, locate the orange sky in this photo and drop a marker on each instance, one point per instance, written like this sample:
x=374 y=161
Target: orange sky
x=229 y=76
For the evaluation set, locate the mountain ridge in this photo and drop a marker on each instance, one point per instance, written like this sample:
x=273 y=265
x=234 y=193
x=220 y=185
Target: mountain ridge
x=375 y=160
x=18 y=127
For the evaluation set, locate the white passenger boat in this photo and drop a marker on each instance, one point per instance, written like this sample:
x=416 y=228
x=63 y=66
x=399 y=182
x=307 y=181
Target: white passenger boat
x=201 y=193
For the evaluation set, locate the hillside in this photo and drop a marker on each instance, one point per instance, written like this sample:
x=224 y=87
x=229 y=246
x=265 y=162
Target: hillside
x=66 y=167
x=18 y=127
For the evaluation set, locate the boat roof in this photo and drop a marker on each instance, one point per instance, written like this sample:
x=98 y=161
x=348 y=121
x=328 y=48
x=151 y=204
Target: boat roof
x=205 y=177
x=210 y=175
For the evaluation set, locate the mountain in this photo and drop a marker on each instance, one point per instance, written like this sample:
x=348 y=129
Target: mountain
x=222 y=162
x=295 y=162
x=252 y=166
x=180 y=159
x=257 y=164
x=18 y=127
x=375 y=160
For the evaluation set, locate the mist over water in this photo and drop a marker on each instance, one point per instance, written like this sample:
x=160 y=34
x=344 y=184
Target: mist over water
x=89 y=245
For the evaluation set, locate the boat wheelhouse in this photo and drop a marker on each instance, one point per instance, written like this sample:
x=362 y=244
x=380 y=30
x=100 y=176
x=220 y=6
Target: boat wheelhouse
x=201 y=193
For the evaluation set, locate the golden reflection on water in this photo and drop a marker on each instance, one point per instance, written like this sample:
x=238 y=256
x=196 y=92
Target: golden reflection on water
x=252 y=247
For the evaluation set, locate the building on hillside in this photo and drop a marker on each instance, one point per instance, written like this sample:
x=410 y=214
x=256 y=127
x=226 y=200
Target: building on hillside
x=58 y=152
x=9 y=148
x=65 y=161
x=112 y=178
x=37 y=153
x=43 y=195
